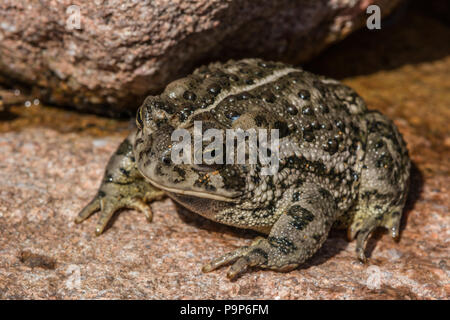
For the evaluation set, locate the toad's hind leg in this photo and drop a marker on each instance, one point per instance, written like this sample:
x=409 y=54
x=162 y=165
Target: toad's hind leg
x=298 y=233
x=122 y=187
x=384 y=182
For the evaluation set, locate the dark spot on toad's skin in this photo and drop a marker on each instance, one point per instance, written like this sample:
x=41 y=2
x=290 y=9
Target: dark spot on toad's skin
x=291 y=109
x=256 y=179
x=324 y=109
x=166 y=160
x=282 y=244
x=384 y=161
x=141 y=154
x=185 y=113
x=340 y=124
x=224 y=82
x=125 y=148
x=138 y=142
x=244 y=96
x=331 y=146
x=308 y=135
x=319 y=85
x=231 y=177
x=304 y=94
x=315 y=125
x=165 y=106
x=101 y=194
x=318 y=167
x=261 y=253
x=279 y=87
x=269 y=97
x=202 y=104
x=307 y=111
x=283 y=129
x=325 y=193
x=125 y=172
x=260 y=121
x=343 y=108
x=214 y=89
x=231 y=99
x=300 y=216
x=377 y=126
x=189 y=95
x=183 y=116
x=379 y=144
x=209 y=100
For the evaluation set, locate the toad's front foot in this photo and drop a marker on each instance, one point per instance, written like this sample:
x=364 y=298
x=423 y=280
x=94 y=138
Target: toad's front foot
x=115 y=198
x=122 y=187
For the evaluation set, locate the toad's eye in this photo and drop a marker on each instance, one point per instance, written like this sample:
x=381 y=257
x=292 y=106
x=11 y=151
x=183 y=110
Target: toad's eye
x=139 y=122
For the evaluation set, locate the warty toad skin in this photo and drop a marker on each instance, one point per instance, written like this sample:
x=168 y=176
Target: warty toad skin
x=340 y=164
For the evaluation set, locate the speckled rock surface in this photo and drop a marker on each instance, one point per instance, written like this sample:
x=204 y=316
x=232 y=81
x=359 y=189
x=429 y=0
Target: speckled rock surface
x=52 y=161
x=124 y=49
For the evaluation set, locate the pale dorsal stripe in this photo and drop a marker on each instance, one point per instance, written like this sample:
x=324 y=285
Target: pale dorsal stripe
x=270 y=78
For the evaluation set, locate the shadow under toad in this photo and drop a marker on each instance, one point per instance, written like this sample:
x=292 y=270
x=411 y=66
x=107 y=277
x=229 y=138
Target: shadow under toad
x=336 y=241
x=6 y=115
x=200 y=222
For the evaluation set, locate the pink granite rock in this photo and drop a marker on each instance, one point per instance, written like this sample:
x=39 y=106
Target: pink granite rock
x=124 y=50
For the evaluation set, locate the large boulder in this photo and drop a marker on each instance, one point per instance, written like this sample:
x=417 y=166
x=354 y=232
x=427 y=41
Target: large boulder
x=124 y=50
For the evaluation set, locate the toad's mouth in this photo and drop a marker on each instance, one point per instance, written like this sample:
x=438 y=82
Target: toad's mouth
x=199 y=194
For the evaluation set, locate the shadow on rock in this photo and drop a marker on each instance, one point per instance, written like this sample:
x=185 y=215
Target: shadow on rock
x=415 y=192
x=7 y=116
x=197 y=221
x=405 y=38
